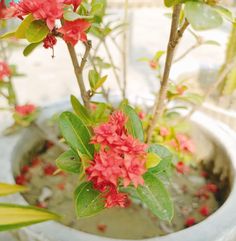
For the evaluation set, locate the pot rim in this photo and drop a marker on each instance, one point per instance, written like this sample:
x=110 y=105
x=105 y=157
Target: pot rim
x=223 y=220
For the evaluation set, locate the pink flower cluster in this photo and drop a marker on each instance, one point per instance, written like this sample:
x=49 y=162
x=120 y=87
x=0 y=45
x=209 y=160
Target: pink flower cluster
x=25 y=110
x=4 y=70
x=183 y=143
x=120 y=160
x=49 y=11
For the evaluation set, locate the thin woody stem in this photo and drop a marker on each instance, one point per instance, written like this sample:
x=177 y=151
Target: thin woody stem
x=112 y=65
x=175 y=36
x=78 y=68
x=125 y=50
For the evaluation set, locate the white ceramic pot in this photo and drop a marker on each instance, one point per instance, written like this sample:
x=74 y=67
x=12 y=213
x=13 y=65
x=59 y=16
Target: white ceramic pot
x=220 y=226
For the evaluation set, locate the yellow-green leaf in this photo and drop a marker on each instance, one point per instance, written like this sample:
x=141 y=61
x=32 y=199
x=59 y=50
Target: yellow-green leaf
x=37 y=31
x=20 y=32
x=152 y=160
x=7 y=189
x=8 y=35
x=17 y=216
x=30 y=48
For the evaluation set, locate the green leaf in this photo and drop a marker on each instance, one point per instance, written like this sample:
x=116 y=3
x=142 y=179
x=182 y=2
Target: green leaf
x=76 y=133
x=158 y=55
x=166 y=158
x=37 y=31
x=88 y=201
x=152 y=160
x=191 y=98
x=170 y=3
x=202 y=16
x=8 y=35
x=21 y=31
x=225 y=13
x=154 y=194
x=100 y=114
x=17 y=216
x=30 y=48
x=69 y=161
x=72 y=16
x=134 y=124
x=80 y=110
x=93 y=78
x=211 y=42
x=100 y=82
x=7 y=189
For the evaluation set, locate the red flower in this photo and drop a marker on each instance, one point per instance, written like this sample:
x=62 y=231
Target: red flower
x=61 y=186
x=25 y=110
x=153 y=64
x=211 y=187
x=113 y=199
x=102 y=227
x=185 y=143
x=25 y=169
x=120 y=158
x=49 y=170
x=21 y=180
x=204 y=211
x=41 y=205
x=35 y=162
x=181 y=89
x=141 y=115
x=107 y=166
x=49 y=41
x=6 y=13
x=4 y=70
x=182 y=168
x=75 y=3
x=49 y=11
x=190 y=221
x=164 y=131
x=74 y=31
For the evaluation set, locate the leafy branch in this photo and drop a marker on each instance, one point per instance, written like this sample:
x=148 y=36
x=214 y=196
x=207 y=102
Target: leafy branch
x=175 y=35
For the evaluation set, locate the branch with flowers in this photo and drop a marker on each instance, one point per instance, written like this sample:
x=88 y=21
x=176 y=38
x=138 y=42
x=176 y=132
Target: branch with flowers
x=114 y=158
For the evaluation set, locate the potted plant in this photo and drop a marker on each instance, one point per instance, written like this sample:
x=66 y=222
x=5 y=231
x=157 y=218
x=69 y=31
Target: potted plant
x=121 y=155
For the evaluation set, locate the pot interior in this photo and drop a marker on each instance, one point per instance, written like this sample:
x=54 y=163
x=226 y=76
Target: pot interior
x=134 y=222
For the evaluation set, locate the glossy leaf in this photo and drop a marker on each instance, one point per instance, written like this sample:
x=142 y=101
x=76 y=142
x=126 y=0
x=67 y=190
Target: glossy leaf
x=69 y=161
x=134 y=124
x=7 y=189
x=76 y=133
x=37 y=31
x=21 y=31
x=152 y=160
x=17 y=216
x=166 y=158
x=100 y=114
x=30 y=48
x=154 y=194
x=202 y=16
x=93 y=78
x=80 y=110
x=88 y=201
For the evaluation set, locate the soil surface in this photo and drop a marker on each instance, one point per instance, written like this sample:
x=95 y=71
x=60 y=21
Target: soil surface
x=195 y=194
